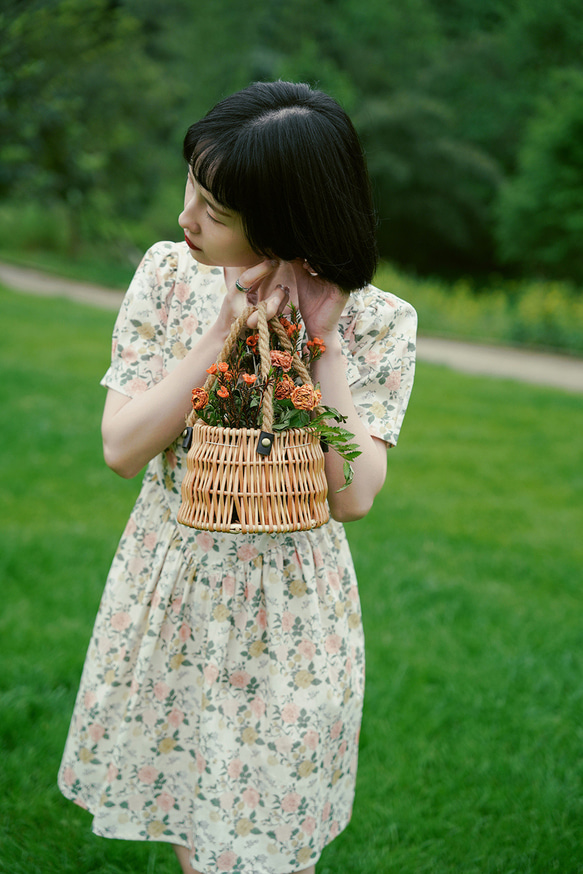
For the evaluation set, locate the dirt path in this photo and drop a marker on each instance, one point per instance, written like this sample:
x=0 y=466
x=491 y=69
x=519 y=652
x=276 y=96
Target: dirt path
x=557 y=371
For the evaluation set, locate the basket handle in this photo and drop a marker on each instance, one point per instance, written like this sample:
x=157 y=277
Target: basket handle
x=264 y=356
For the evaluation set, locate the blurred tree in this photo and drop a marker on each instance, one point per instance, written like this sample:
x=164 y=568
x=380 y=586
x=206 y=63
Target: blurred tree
x=81 y=108
x=434 y=191
x=540 y=213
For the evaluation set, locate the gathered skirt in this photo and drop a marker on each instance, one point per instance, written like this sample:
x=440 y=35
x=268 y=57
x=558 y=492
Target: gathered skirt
x=221 y=698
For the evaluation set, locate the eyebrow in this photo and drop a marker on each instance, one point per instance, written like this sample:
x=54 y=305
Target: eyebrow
x=208 y=202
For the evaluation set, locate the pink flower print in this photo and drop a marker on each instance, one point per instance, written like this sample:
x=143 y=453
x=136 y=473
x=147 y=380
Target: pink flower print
x=130 y=528
x=69 y=776
x=134 y=686
x=348 y=666
x=165 y=801
x=200 y=763
x=150 y=717
x=96 y=732
x=282 y=652
x=166 y=631
x=394 y=380
x=114 y=345
x=190 y=324
x=333 y=643
x=157 y=364
x=185 y=632
x=246 y=552
x=257 y=707
x=353 y=593
x=239 y=679
x=234 y=769
x=211 y=672
x=161 y=691
x=230 y=708
x=120 y=621
x=137 y=386
x=175 y=718
x=283 y=833
x=226 y=861
x=287 y=621
x=251 y=797
x=333 y=830
x=308 y=826
x=318 y=558
x=291 y=802
x=261 y=619
x=333 y=580
x=326 y=811
x=89 y=699
x=283 y=745
x=229 y=585
x=311 y=739
x=342 y=749
x=205 y=541
x=307 y=649
x=156 y=599
x=182 y=291
x=290 y=713
x=336 y=729
x=148 y=774
x=177 y=604
x=136 y=564
x=226 y=800
x=129 y=355
x=112 y=773
x=150 y=540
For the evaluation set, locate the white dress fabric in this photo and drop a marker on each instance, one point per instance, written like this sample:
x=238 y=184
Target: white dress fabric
x=221 y=698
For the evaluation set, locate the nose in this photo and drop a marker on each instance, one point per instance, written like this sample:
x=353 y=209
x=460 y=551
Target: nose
x=187 y=219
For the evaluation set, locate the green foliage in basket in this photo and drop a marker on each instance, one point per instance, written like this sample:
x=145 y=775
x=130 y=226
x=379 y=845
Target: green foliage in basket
x=235 y=399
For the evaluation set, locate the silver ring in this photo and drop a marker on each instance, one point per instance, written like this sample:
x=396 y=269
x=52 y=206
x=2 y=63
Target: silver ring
x=240 y=287
x=284 y=288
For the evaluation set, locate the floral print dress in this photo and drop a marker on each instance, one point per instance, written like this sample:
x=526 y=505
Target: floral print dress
x=221 y=698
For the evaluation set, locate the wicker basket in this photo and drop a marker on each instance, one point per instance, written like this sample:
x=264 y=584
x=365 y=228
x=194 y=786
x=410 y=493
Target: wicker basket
x=250 y=480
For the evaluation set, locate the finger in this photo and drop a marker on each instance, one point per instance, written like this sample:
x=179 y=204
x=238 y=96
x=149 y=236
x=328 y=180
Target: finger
x=274 y=305
x=253 y=275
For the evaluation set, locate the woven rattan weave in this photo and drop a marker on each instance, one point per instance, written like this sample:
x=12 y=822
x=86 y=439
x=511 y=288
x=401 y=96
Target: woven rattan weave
x=229 y=486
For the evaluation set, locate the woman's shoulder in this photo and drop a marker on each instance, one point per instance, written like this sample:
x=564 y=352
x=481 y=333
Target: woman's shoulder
x=370 y=310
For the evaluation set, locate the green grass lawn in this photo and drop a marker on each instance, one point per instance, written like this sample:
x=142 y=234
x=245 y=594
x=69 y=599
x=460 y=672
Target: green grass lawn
x=470 y=568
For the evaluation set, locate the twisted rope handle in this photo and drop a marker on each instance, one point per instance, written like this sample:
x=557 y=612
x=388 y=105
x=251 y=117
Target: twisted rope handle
x=264 y=356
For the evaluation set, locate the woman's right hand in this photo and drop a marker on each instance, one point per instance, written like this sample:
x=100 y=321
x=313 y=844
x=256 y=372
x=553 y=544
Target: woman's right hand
x=259 y=281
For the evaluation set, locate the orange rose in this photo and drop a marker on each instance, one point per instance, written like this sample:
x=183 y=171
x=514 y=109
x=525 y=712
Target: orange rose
x=284 y=387
x=199 y=398
x=222 y=366
x=249 y=378
x=305 y=397
x=223 y=392
x=281 y=359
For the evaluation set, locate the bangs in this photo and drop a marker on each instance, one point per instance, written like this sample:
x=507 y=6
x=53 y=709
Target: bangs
x=219 y=171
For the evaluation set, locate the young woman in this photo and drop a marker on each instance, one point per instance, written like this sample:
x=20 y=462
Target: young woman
x=221 y=699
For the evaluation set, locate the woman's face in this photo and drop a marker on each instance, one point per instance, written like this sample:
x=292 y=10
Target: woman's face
x=214 y=234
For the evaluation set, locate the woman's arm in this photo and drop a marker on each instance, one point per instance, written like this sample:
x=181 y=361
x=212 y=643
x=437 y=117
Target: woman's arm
x=321 y=305
x=370 y=467
x=134 y=430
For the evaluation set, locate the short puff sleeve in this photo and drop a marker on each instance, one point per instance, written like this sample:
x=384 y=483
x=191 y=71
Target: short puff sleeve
x=139 y=334
x=379 y=333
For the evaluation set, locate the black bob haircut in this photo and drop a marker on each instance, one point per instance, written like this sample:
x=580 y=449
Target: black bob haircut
x=288 y=160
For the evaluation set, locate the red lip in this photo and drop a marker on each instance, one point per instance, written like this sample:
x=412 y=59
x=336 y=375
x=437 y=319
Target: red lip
x=191 y=245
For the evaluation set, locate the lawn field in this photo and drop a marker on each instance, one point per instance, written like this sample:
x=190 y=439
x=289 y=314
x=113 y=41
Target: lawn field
x=470 y=568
